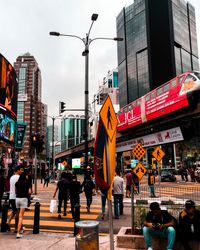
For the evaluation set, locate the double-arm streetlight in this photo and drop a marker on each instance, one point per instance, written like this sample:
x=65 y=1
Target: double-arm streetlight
x=87 y=41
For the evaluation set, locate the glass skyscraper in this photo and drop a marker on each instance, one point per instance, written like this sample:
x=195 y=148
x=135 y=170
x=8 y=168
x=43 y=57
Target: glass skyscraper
x=160 y=42
x=72 y=131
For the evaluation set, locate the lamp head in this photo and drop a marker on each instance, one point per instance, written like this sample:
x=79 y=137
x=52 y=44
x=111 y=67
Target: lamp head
x=119 y=39
x=53 y=33
x=94 y=17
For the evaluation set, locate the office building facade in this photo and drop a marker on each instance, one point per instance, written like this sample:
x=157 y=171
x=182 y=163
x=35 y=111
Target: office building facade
x=72 y=131
x=160 y=42
x=30 y=108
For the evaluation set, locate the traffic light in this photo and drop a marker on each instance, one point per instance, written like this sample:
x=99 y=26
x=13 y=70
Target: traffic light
x=37 y=142
x=62 y=107
x=34 y=140
x=41 y=144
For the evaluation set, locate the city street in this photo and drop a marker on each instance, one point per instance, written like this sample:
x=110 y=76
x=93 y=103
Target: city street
x=177 y=192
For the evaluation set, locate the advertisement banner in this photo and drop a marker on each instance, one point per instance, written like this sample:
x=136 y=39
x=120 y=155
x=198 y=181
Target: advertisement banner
x=162 y=137
x=20 y=134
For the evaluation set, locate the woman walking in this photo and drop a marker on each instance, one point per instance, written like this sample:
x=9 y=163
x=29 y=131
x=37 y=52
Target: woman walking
x=22 y=193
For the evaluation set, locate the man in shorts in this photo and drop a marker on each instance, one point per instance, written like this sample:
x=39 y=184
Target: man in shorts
x=12 y=197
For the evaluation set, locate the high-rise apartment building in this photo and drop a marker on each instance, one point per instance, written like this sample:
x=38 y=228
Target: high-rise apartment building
x=160 y=42
x=30 y=108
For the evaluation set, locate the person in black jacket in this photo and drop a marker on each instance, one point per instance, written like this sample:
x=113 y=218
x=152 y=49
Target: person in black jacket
x=88 y=186
x=74 y=193
x=62 y=189
x=189 y=224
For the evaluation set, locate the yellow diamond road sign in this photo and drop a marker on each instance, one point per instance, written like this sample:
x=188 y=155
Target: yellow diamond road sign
x=109 y=118
x=139 y=170
x=158 y=154
x=64 y=163
x=139 y=151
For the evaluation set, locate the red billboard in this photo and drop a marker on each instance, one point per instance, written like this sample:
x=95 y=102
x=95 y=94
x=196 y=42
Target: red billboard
x=8 y=87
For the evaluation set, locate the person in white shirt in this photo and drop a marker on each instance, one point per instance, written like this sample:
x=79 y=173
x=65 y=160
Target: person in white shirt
x=12 y=197
x=118 y=193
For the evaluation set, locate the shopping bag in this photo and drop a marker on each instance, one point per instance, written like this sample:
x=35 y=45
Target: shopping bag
x=53 y=206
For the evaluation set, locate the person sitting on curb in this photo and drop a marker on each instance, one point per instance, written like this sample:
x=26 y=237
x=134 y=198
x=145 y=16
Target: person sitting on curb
x=159 y=223
x=189 y=224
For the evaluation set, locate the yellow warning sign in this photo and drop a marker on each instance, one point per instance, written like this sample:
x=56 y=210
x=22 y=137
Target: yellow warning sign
x=158 y=154
x=139 y=151
x=109 y=118
x=139 y=170
x=64 y=163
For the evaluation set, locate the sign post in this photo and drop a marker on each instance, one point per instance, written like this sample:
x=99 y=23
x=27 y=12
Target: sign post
x=158 y=154
x=139 y=171
x=109 y=120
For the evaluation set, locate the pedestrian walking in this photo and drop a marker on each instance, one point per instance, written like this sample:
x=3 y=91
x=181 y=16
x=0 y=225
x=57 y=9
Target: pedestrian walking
x=151 y=182
x=12 y=196
x=159 y=223
x=88 y=187
x=129 y=182
x=46 y=179
x=63 y=194
x=118 y=193
x=74 y=193
x=22 y=192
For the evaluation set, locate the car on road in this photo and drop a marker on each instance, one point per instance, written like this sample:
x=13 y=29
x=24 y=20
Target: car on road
x=167 y=175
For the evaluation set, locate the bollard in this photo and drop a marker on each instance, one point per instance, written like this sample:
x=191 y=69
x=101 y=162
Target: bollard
x=36 y=225
x=4 y=216
x=88 y=235
x=76 y=217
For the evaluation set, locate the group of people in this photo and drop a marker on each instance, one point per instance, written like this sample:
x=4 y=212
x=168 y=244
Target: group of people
x=69 y=188
x=160 y=223
x=20 y=190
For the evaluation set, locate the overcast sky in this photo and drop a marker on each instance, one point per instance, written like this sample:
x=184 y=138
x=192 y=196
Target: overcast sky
x=25 y=27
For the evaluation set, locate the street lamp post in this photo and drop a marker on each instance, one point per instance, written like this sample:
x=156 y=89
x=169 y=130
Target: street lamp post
x=87 y=41
x=53 y=130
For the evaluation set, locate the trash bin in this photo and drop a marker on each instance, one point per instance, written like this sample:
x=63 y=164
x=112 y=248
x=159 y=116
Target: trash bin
x=87 y=235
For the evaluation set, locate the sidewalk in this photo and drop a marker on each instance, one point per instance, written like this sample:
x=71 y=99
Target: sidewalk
x=46 y=241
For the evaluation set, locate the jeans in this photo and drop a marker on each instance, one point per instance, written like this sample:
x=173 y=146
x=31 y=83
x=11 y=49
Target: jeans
x=168 y=233
x=103 y=202
x=152 y=190
x=118 y=204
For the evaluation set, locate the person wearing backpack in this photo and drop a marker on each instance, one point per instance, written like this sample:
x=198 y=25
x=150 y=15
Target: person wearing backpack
x=88 y=186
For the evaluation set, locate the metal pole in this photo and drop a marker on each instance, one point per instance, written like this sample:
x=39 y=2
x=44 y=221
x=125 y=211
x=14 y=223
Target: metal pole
x=35 y=172
x=53 y=155
x=132 y=211
x=109 y=201
x=86 y=97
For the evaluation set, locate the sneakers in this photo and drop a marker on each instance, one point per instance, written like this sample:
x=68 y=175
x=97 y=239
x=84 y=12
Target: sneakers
x=59 y=217
x=18 y=235
x=22 y=230
x=88 y=209
x=150 y=248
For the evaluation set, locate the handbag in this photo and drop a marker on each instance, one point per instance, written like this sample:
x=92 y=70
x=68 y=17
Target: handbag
x=53 y=206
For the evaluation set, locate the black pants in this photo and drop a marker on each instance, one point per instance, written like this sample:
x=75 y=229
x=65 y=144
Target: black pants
x=186 y=238
x=62 y=198
x=74 y=201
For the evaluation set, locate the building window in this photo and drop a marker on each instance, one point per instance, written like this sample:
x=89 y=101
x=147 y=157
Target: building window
x=20 y=112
